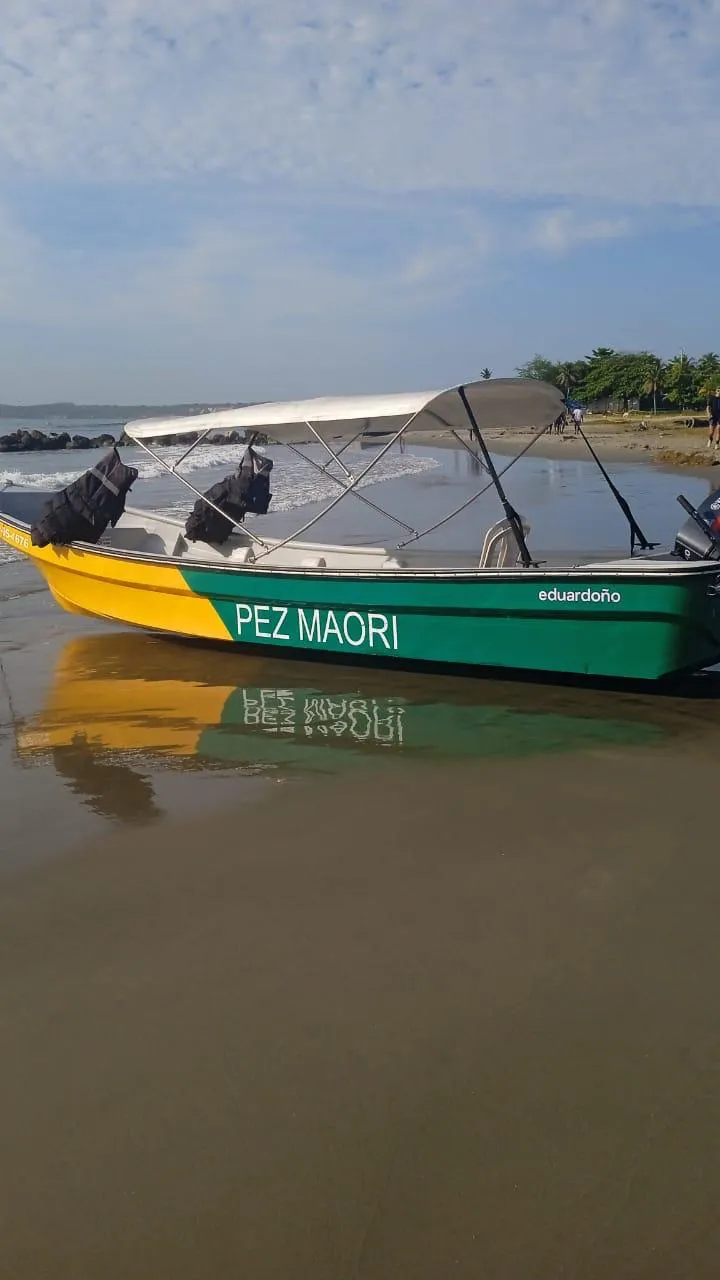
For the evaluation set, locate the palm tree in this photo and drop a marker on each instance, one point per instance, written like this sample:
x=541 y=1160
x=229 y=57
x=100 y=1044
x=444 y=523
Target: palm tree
x=709 y=365
x=486 y=374
x=654 y=373
x=708 y=374
x=680 y=379
x=566 y=377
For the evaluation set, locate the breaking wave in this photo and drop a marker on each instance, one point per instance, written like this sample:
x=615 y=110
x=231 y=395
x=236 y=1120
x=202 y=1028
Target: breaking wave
x=294 y=482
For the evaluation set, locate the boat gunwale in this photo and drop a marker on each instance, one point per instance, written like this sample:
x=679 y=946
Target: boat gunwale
x=662 y=569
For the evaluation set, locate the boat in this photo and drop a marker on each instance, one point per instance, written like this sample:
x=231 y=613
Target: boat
x=650 y=615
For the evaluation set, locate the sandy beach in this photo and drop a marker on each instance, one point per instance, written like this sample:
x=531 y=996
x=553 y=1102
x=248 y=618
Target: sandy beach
x=451 y=1021
x=322 y=971
x=666 y=442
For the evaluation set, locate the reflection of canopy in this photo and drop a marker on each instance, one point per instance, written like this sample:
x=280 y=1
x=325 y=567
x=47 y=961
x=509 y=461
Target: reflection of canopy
x=499 y=402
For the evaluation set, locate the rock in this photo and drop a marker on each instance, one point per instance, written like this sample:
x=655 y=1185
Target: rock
x=25 y=441
x=56 y=441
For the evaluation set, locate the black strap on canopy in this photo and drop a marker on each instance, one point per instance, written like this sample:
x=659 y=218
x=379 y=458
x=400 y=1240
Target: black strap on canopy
x=512 y=515
x=636 y=533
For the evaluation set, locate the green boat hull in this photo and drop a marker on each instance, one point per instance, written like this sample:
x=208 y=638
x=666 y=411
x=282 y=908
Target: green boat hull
x=639 y=619
x=644 y=626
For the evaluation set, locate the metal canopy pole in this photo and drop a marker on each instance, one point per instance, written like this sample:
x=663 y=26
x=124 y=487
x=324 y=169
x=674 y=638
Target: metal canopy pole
x=189 y=450
x=474 y=497
x=334 y=457
x=510 y=512
x=636 y=532
x=446 y=519
x=336 y=480
x=467 y=449
x=346 y=489
x=346 y=446
x=176 y=475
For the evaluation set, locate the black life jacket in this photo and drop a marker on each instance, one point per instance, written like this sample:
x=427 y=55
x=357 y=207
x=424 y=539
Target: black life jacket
x=247 y=490
x=83 y=511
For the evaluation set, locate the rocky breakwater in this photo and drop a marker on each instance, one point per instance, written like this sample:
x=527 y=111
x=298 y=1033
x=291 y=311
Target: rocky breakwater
x=191 y=437
x=23 y=441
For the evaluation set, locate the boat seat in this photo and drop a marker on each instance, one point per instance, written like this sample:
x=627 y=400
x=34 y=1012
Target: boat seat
x=179 y=546
x=135 y=538
x=209 y=551
x=499 y=545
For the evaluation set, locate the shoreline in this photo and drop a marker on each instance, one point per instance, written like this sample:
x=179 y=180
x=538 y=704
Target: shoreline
x=624 y=445
x=667 y=444
x=678 y=449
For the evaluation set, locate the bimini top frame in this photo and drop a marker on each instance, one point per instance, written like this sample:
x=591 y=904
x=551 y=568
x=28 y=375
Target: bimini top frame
x=500 y=402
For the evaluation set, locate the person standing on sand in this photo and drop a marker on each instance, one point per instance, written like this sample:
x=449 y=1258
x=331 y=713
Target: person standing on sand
x=578 y=419
x=713 y=412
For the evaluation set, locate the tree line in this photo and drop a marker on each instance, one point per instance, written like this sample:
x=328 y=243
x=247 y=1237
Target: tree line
x=684 y=382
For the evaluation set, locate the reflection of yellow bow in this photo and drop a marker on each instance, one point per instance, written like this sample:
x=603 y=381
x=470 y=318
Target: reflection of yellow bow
x=117 y=691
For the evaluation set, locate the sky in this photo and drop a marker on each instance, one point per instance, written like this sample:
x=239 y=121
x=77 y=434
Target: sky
x=221 y=200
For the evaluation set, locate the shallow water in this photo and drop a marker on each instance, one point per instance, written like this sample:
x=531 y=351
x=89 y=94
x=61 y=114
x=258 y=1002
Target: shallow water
x=295 y=483
x=567 y=503
x=103 y=728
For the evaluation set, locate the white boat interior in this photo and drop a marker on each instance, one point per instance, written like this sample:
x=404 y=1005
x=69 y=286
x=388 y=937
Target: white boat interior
x=145 y=533
x=148 y=533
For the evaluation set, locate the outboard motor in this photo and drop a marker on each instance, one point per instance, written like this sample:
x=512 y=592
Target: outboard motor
x=699 y=537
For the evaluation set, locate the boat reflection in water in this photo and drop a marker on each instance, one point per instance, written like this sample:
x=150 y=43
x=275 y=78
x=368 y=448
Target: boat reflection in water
x=124 y=706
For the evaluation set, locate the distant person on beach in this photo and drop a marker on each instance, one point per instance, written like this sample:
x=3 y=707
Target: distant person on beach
x=578 y=419
x=713 y=412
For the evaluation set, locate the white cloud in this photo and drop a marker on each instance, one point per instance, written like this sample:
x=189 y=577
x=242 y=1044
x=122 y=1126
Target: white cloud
x=463 y=133
x=561 y=230
x=228 y=313
x=524 y=98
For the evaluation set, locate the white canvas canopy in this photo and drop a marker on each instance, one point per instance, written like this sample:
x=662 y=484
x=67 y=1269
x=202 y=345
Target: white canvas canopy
x=498 y=402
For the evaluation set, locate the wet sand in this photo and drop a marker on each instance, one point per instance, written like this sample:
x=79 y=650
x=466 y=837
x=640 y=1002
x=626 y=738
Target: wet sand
x=459 y=1021
x=418 y=980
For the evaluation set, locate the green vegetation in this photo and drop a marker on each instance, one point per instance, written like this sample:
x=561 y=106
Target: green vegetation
x=622 y=377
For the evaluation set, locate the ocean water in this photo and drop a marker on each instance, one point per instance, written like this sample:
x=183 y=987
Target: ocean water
x=294 y=483
x=567 y=502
